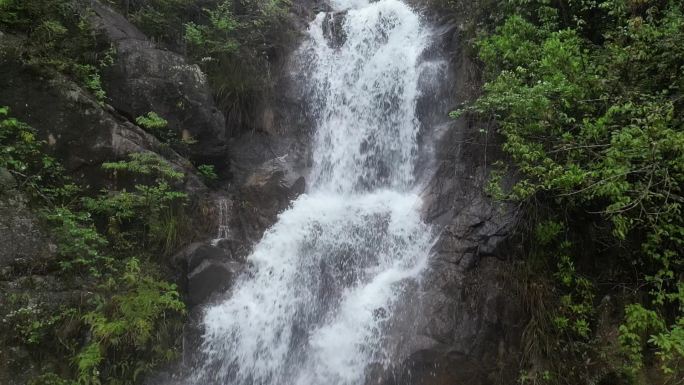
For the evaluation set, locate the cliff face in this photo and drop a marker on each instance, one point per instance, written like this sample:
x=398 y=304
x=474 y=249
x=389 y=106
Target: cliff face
x=82 y=132
x=463 y=324
x=470 y=318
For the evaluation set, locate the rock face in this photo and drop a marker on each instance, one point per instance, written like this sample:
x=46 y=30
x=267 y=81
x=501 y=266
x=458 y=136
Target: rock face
x=145 y=78
x=333 y=29
x=24 y=244
x=211 y=267
x=80 y=131
x=470 y=319
x=25 y=257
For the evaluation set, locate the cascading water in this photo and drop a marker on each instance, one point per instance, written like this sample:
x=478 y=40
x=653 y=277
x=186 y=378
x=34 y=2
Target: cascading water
x=325 y=280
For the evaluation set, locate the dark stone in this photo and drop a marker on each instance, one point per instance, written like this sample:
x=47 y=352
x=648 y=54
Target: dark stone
x=263 y=196
x=211 y=270
x=25 y=247
x=7 y=181
x=232 y=246
x=333 y=28
x=210 y=277
x=79 y=131
x=298 y=187
x=468 y=324
x=206 y=252
x=146 y=78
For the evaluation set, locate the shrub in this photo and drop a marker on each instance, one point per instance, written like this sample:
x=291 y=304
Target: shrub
x=58 y=37
x=130 y=324
x=591 y=117
x=235 y=43
x=207 y=173
x=129 y=318
x=149 y=217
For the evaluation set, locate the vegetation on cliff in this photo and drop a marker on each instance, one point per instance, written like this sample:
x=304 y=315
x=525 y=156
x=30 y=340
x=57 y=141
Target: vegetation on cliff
x=588 y=99
x=103 y=299
x=58 y=37
x=126 y=318
x=234 y=42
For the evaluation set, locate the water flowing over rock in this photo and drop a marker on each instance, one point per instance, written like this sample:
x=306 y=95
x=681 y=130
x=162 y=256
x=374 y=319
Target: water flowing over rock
x=326 y=282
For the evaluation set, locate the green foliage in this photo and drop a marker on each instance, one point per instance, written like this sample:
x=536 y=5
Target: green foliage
x=79 y=244
x=131 y=317
x=20 y=148
x=235 y=43
x=21 y=154
x=147 y=164
x=576 y=310
x=546 y=232
x=58 y=37
x=638 y=321
x=128 y=324
x=89 y=76
x=151 y=121
x=158 y=126
x=159 y=19
x=32 y=323
x=207 y=173
x=150 y=216
x=219 y=36
x=588 y=99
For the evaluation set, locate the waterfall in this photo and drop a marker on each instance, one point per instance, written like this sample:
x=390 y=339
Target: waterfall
x=323 y=284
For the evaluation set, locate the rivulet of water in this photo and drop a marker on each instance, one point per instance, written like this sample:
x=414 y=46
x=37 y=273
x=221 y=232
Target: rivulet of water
x=223 y=228
x=325 y=280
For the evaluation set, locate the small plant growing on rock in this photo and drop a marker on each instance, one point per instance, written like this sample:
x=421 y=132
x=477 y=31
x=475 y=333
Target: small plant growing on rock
x=207 y=173
x=152 y=121
x=159 y=127
x=150 y=216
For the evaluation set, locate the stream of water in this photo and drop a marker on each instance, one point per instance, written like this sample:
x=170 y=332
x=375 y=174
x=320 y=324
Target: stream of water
x=325 y=281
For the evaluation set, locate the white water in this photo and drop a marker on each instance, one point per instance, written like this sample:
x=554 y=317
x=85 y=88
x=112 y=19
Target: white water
x=223 y=228
x=325 y=280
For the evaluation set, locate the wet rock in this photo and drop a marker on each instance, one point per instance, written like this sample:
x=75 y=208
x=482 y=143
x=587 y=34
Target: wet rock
x=333 y=28
x=25 y=247
x=7 y=181
x=265 y=194
x=469 y=322
x=212 y=266
x=211 y=277
x=211 y=269
x=298 y=187
x=81 y=132
x=263 y=198
x=206 y=252
x=146 y=78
